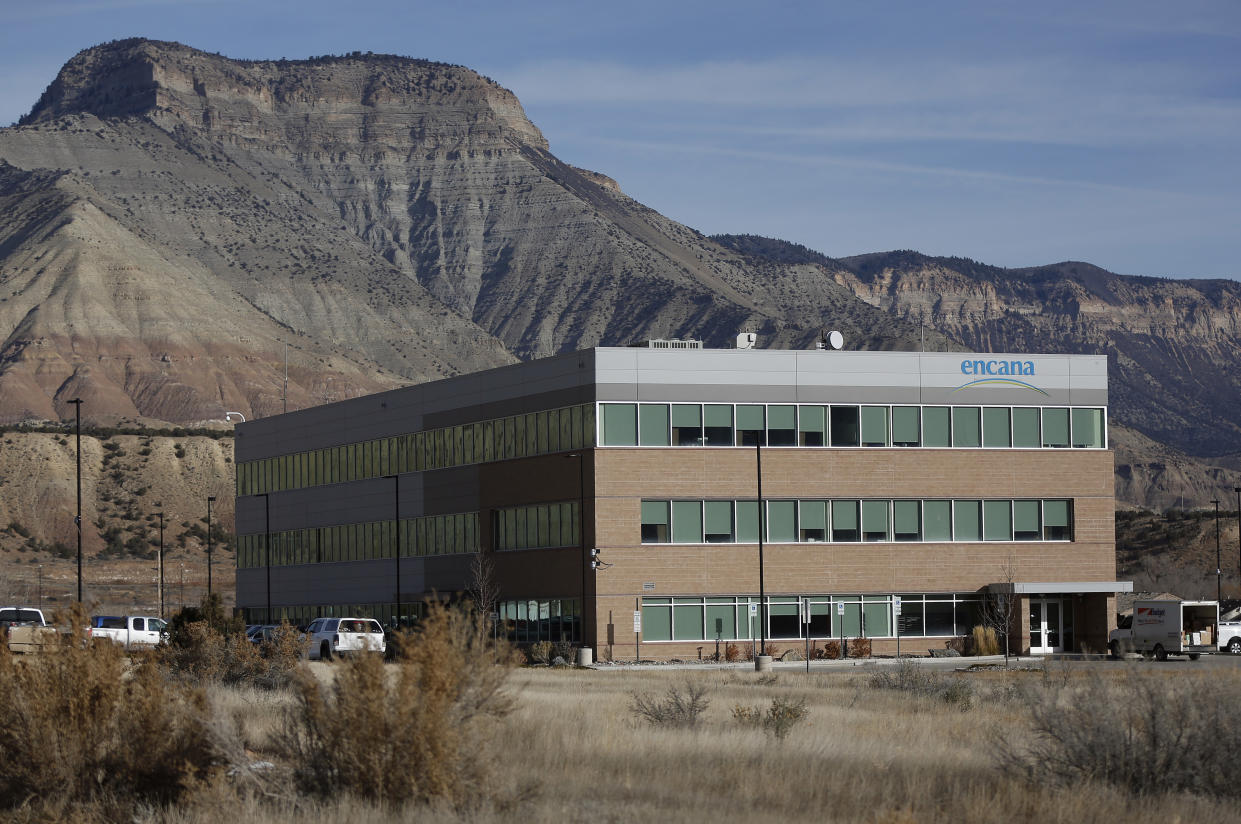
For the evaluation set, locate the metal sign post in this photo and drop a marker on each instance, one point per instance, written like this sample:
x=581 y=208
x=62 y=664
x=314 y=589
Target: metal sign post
x=637 y=633
x=805 y=620
x=896 y=604
x=840 y=616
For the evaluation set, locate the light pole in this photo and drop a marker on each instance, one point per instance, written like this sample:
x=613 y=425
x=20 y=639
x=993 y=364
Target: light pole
x=77 y=405
x=1237 y=489
x=396 y=515
x=581 y=527
x=161 y=564
x=267 y=549
x=760 y=660
x=1219 y=578
x=210 y=543
x=40 y=586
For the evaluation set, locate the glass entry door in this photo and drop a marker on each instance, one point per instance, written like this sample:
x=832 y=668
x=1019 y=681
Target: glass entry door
x=1046 y=617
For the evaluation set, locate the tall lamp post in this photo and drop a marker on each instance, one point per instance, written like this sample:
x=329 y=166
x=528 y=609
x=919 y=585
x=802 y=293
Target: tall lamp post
x=1219 y=578
x=210 y=543
x=267 y=550
x=161 y=563
x=581 y=529
x=1237 y=489
x=396 y=516
x=761 y=661
x=77 y=520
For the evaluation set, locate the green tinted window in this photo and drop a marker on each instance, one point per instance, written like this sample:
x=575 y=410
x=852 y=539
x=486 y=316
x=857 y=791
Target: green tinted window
x=687 y=622
x=936 y=426
x=782 y=521
x=812 y=421
x=1088 y=428
x=718 y=518
x=874 y=426
x=687 y=522
x=656 y=622
x=653 y=424
x=1026 y=525
x=967 y=520
x=620 y=424
x=996 y=427
x=874 y=520
x=845 y=521
x=906 y=428
x=1055 y=427
x=998 y=520
x=907 y=520
x=1025 y=428
x=747 y=522
x=966 y=426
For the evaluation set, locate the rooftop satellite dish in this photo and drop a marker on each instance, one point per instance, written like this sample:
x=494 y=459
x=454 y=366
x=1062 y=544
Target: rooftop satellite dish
x=835 y=339
x=746 y=340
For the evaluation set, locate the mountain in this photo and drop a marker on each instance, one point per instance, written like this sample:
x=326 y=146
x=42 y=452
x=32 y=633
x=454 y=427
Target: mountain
x=1173 y=346
x=173 y=218
x=176 y=226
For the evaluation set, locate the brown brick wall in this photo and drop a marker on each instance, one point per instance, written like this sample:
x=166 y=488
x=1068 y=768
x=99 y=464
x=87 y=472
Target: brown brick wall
x=623 y=477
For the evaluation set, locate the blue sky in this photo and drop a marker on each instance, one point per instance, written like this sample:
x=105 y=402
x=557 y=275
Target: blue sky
x=1013 y=133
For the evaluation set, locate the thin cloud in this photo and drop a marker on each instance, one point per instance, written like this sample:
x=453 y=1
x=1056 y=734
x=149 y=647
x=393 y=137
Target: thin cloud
x=1043 y=100
x=819 y=159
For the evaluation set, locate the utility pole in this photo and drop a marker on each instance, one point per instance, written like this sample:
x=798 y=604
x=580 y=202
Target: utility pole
x=210 y=543
x=1219 y=577
x=77 y=404
x=161 y=564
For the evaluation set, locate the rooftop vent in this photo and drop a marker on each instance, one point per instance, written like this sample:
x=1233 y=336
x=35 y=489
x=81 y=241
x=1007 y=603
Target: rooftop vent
x=660 y=343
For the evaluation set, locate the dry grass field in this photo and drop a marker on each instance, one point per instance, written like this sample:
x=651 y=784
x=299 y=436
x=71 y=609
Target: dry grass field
x=573 y=750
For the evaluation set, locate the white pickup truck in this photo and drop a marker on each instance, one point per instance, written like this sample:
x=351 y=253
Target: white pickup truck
x=130 y=631
x=1171 y=627
x=1230 y=634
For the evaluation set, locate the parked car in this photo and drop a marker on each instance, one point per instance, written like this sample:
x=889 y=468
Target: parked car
x=130 y=631
x=24 y=629
x=261 y=633
x=329 y=637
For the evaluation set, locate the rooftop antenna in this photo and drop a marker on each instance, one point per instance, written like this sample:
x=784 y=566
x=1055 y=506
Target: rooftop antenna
x=829 y=340
x=285 y=396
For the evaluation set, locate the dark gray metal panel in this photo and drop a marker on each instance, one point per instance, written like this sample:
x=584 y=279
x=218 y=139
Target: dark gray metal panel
x=451 y=490
x=513 y=406
x=401 y=411
x=345 y=582
x=448 y=573
x=346 y=503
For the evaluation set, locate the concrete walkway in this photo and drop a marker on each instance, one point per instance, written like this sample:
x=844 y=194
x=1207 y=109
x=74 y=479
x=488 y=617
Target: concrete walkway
x=838 y=665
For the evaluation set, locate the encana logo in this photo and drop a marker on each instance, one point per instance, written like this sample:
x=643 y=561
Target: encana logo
x=998 y=373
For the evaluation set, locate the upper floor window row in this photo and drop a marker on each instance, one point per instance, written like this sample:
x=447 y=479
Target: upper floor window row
x=851 y=520
x=847 y=425
x=516 y=436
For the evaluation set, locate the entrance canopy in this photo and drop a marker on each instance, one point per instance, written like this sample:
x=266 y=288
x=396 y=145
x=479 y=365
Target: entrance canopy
x=1060 y=587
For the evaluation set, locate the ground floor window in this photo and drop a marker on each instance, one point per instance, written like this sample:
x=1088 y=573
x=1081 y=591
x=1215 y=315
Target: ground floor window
x=530 y=620
x=729 y=618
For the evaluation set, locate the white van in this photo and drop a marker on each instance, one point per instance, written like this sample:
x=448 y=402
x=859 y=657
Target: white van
x=328 y=637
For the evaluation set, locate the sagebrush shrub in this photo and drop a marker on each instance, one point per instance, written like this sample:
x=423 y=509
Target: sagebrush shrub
x=680 y=706
x=780 y=718
x=540 y=652
x=421 y=730
x=910 y=676
x=1145 y=734
x=201 y=653
x=79 y=726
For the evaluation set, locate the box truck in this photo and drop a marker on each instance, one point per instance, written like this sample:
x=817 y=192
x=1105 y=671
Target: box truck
x=1163 y=628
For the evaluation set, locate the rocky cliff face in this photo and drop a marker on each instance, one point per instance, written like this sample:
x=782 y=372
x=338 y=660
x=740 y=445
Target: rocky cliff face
x=388 y=219
x=1173 y=345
